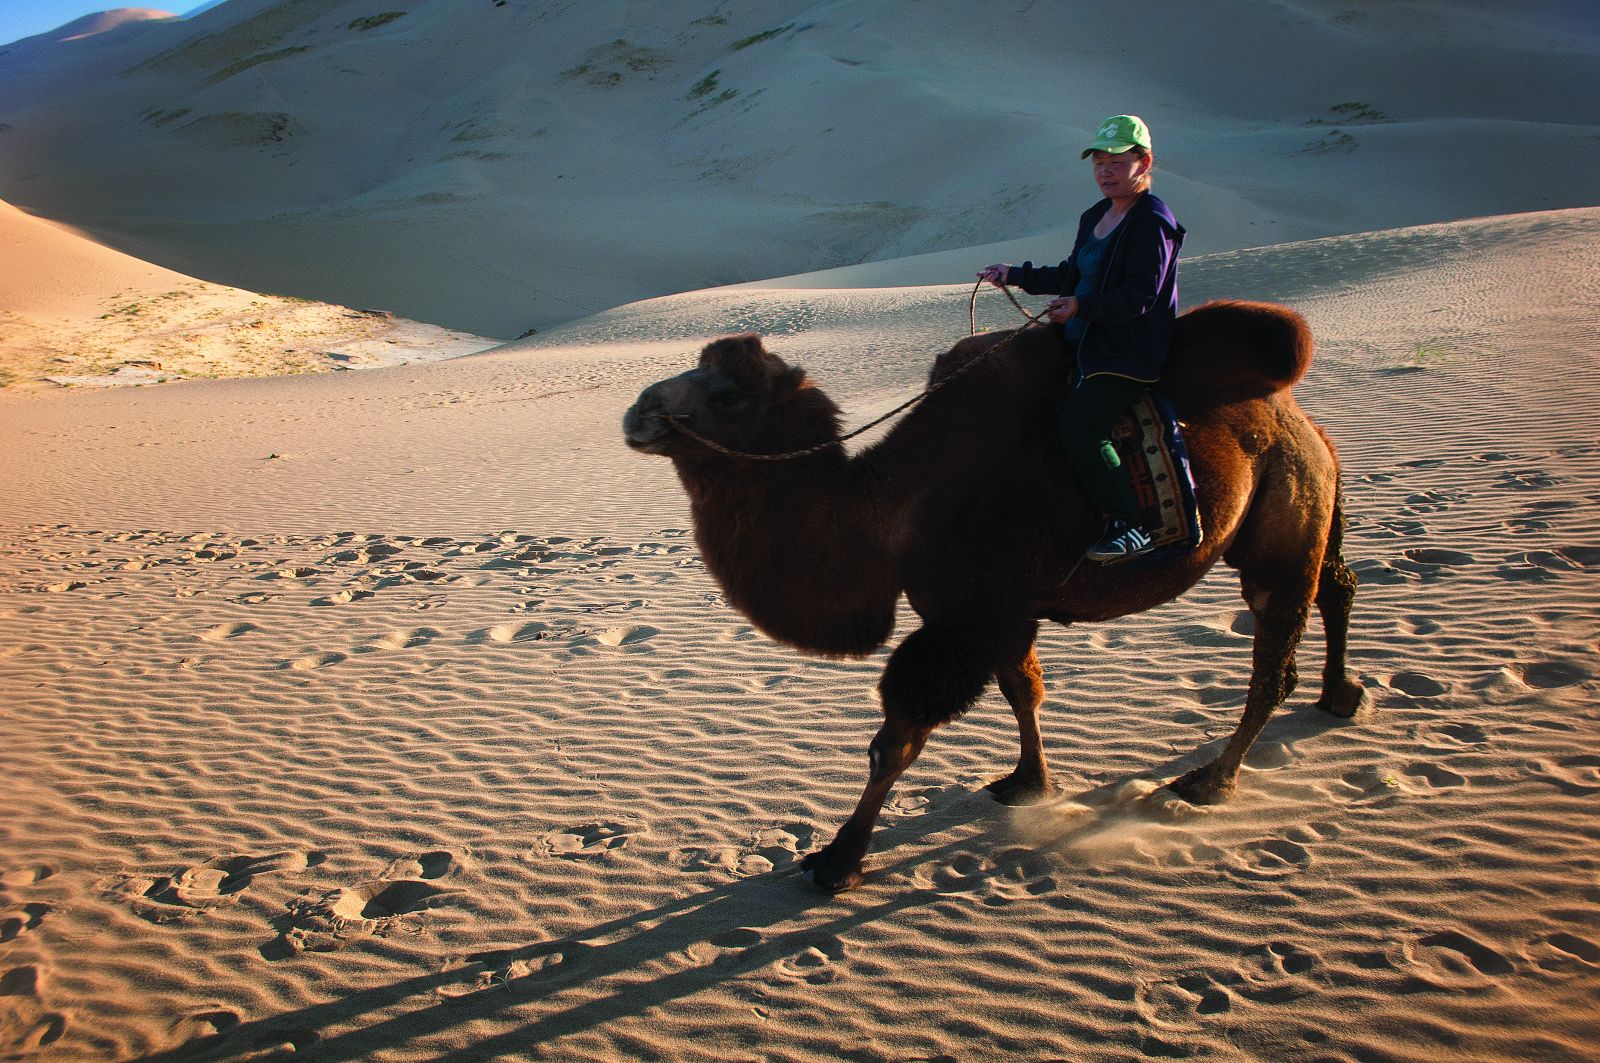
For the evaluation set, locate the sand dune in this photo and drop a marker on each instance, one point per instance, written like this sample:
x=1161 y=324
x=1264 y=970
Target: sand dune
x=415 y=728
x=76 y=313
x=495 y=167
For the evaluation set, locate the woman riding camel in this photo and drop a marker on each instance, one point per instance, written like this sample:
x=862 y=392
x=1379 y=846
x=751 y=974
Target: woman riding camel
x=1118 y=305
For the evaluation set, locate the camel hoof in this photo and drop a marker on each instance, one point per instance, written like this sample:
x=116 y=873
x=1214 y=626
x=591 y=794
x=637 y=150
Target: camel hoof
x=1202 y=786
x=1016 y=792
x=1346 y=701
x=818 y=870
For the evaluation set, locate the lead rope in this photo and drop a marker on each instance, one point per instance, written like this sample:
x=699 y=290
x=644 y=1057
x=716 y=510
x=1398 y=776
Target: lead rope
x=972 y=318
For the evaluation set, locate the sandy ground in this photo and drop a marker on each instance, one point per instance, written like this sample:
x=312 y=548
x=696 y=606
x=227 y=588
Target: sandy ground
x=392 y=715
x=74 y=313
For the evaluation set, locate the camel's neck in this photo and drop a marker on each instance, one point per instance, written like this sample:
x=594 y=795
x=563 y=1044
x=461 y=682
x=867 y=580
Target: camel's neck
x=817 y=550
x=803 y=548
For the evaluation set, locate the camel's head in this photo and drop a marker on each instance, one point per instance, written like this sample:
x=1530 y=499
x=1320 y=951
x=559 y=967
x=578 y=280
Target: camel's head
x=739 y=396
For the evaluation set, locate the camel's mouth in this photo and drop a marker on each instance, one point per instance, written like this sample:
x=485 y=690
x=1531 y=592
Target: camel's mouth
x=646 y=428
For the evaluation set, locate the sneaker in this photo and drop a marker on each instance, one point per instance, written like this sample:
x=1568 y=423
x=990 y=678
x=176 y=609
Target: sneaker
x=1120 y=542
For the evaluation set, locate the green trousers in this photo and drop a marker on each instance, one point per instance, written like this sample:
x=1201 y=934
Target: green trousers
x=1086 y=421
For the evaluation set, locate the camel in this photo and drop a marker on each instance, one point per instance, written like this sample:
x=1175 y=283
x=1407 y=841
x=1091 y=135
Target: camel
x=969 y=508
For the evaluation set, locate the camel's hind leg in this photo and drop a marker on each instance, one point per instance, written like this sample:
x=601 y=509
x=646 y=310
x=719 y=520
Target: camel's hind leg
x=1022 y=683
x=1342 y=695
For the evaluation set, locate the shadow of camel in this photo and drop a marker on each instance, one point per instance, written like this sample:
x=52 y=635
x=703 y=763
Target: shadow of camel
x=743 y=926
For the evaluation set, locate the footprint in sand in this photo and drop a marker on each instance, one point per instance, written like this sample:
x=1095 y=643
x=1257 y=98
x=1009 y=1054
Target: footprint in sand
x=26 y=1025
x=587 y=840
x=1373 y=572
x=20 y=982
x=1270 y=858
x=1179 y=1005
x=1577 y=775
x=1269 y=756
x=63 y=588
x=1368 y=785
x=1582 y=556
x=503 y=968
x=344 y=597
x=527 y=631
x=1019 y=873
x=201 y=1027
x=278 y=1044
x=770 y=848
x=1548 y=675
x=224 y=632
x=1434 y=776
x=626 y=637
x=1451 y=959
x=1439 y=557
x=407 y=639
x=1466 y=734
x=432 y=864
x=1565 y=952
x=221 y=881
x=1526 y=480
x=910 y=803
x=1277 y=972
x=1431 y=502
x=26 y=876
x=18 y=921
x=815 y=964
x=328 y=922
x=963 y=873
x=1417 y=685
x=297 y=572
x=312 y=661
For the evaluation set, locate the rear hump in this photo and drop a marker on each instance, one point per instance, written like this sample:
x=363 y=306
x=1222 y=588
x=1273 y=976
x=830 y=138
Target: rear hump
x=1228 y=351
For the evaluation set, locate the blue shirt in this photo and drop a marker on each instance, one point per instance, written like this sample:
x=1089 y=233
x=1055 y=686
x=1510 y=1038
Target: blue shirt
x=1090 y=256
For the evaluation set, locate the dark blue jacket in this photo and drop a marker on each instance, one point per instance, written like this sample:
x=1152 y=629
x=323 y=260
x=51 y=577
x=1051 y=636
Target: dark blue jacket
x=1132 y=317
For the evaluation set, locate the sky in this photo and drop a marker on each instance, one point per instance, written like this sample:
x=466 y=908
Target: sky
x=24 y=18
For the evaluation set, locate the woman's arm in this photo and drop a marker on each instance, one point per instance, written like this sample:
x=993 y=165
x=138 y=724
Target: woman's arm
x=1046 y=280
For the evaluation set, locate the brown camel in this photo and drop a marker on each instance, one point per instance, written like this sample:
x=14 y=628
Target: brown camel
x=969 y=508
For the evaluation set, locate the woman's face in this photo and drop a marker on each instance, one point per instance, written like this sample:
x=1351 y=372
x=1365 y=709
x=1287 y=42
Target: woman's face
x=1118 y=175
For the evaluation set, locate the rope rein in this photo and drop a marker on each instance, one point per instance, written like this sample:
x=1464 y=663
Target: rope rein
x=972 y=319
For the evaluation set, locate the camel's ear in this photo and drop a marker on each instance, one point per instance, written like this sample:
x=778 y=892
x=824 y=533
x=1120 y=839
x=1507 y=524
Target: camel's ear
x=741 y=356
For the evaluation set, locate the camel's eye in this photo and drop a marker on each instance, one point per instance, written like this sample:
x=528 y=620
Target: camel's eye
x=726 y=399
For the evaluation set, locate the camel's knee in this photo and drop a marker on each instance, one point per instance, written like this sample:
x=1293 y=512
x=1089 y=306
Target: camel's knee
x=1336 y=589
x=887 y=759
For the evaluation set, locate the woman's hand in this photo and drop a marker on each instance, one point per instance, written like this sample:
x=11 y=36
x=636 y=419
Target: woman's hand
x=1062 y=309
x=995 y=274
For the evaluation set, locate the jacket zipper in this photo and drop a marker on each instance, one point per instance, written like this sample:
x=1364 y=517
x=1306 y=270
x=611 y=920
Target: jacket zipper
x=1104 y=276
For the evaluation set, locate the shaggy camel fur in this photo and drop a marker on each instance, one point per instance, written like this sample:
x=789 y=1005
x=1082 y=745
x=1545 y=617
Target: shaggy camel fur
x=969 y=509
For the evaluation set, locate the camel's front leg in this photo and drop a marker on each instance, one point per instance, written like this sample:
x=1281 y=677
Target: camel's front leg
x=1022 y=682
x=1280 y=621
x=837 y=865
x=932 y=677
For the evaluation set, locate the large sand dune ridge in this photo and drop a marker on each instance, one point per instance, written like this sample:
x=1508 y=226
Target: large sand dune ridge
x=495 y=167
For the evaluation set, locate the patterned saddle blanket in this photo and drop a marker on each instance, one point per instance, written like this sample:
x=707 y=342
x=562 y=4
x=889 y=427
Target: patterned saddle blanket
x=1149 y=441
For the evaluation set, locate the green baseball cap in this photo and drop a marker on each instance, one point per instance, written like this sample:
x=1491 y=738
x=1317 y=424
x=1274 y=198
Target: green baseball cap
x=1120 y=133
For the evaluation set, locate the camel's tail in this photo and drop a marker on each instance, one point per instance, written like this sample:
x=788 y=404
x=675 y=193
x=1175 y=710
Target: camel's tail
x=1226 y=351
